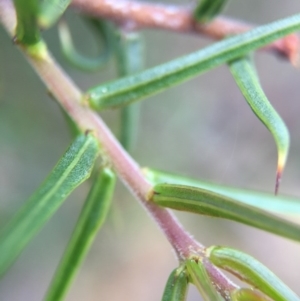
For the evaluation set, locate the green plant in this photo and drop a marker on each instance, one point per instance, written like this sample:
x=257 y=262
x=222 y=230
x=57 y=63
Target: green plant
x=155 y=190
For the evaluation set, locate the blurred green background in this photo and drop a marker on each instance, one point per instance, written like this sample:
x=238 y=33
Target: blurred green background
x=202 y=128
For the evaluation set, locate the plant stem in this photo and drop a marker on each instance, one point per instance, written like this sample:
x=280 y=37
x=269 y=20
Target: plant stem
x=68 y=95
x=137 y=14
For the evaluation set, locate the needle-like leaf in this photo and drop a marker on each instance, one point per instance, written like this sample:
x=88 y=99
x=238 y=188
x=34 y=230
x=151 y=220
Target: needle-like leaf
x=201 y=201
x=90 y=220
x=208 y=9
x=246 y=78
x=267 y=201
x=154 y=80
x=130 y=59
x=72 y=169
x=27 y=31
x=201 y=280
x=251 y=271
x=177 y=286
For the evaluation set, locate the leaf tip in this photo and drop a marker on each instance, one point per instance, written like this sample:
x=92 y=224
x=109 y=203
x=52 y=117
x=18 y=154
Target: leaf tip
x=278 y=180
x=280 y=167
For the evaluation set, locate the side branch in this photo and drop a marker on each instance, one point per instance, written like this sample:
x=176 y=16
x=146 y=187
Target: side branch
x=134 y=14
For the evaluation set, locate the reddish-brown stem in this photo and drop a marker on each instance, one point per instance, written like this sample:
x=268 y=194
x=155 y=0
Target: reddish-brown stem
x=178 y=18
x=68 y=95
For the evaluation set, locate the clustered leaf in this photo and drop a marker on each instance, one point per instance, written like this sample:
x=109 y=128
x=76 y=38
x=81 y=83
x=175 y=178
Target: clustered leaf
x=207 y=199
x=265 y=286
x=151 y=81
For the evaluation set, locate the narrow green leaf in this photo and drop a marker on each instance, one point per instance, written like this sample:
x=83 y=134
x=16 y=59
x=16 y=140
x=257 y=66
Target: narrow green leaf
x=177 y=286
x=247 y=294
x=27 y=31
x=251 y=271
x=74 y=57
x=201 y=280
x=246 y=78
x=154 y=80
x=90 y=221
x=130 y=58
x=201 y=201
x=129 y=51
x=208 y=9
x=50 y=11
x=71 y=170
x=129 y=126
x=280 y=204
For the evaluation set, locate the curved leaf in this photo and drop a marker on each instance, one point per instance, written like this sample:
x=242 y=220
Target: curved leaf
x=201 y=201
x=74 y=57
x=177 y=286
x=71 y=170
x=246 y=78
x=151 y=81
x=251 y=271
x=90 y=221
x=280 y=204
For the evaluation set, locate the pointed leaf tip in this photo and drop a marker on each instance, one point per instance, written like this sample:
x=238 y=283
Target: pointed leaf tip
x=154 y=80
x=245 y=75
x=282 y=157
